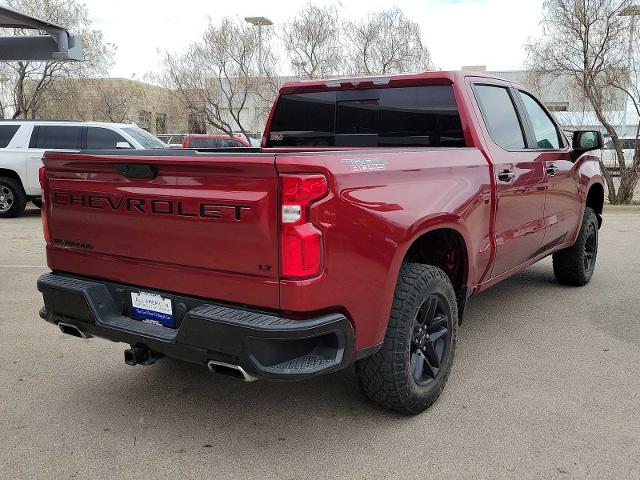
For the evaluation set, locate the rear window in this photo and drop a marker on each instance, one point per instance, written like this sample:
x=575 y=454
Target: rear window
x=386 y=117
x=6 y=134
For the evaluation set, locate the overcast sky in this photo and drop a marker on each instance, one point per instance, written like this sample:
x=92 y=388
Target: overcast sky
x=457 y=32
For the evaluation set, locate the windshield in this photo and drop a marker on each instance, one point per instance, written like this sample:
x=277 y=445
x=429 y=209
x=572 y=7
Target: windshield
x=144 y=138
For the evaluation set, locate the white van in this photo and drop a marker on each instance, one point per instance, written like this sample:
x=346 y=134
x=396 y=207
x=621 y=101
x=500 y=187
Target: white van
x=23 y=142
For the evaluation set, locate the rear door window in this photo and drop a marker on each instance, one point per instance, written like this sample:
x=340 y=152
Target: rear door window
x=99 y=138
x=54 y=137
x=405 y=116
x=500 y=118
x=6 y=134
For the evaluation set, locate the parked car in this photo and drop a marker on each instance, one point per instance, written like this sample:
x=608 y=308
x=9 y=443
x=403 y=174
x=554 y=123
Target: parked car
x=609 y=156
x=173 y=140
x=23 y=142
x=214 y=141
x=375 y=208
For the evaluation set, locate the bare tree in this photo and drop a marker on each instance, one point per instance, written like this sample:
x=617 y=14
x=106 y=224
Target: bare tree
x=586 y=41
x=113 y=102
x=312 y=41
x=215 y=78
x=387 y=42
x=30 y=80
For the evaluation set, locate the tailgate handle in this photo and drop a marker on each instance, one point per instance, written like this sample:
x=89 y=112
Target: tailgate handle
x=133 y=170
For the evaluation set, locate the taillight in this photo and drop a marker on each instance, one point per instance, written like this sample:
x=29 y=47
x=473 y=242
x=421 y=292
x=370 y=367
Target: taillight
x=42 y=176
x=301 y=241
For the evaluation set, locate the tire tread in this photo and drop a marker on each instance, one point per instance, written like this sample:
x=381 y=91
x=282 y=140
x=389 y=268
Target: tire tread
x=383 y=377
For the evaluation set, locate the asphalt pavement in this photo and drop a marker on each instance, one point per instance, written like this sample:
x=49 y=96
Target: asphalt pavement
x=546 y=384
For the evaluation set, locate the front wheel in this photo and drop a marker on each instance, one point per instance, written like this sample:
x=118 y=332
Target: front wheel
x=574 y=265
x=410 y=370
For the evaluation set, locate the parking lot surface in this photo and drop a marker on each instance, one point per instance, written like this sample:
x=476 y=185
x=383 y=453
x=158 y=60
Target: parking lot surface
x=546 y=384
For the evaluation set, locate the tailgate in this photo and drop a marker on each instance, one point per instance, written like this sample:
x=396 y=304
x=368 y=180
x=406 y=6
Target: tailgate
x=202 y=224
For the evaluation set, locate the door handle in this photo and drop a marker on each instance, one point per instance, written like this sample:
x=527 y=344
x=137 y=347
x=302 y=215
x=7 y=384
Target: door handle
x=506 y=176
x=552 y=170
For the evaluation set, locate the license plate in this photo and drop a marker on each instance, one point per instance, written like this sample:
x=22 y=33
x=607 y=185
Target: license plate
x=152 y=308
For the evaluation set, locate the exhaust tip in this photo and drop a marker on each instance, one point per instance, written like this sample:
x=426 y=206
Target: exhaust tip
x=72 y=330
x=228 y=369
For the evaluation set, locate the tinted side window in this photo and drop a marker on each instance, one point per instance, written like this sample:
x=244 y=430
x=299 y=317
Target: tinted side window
x=56 y=137
x=500 y=116
x=6 y=134
x=543 y=127
x=102 y=138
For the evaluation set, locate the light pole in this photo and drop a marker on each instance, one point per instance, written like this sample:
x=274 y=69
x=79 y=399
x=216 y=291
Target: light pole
x=633 y=11
x=259 y=22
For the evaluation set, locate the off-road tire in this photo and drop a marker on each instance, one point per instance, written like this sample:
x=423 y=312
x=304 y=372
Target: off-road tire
x=386 y=377
x=18 y=197
x=572 y=265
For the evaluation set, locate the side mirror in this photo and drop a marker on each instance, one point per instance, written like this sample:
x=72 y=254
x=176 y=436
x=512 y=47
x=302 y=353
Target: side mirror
x=587 y=140
x=123 y=145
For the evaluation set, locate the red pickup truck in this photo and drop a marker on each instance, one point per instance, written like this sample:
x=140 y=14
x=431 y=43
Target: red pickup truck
x=373 y=210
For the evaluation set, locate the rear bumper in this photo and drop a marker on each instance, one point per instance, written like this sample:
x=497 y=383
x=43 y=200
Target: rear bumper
x=263 y=344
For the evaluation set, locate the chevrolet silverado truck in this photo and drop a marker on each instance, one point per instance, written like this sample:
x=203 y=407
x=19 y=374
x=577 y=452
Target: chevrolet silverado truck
x=374 y=208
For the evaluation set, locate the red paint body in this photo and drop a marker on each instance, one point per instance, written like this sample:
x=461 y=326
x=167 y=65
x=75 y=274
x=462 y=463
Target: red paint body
x=368 y=220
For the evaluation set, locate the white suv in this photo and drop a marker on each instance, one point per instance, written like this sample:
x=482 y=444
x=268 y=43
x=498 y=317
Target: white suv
x=23 y=142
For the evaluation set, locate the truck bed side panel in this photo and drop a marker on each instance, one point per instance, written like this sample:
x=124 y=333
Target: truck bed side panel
x=380 y=202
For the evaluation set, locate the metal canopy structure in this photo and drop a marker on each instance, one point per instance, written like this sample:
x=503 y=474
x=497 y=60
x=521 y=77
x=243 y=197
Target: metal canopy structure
x=58 y=44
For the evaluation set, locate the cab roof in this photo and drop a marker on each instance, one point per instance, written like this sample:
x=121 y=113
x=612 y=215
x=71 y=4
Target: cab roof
x=396 y=80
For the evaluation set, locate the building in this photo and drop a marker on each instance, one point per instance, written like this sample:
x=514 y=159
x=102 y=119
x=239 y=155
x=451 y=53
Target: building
x=151 y=107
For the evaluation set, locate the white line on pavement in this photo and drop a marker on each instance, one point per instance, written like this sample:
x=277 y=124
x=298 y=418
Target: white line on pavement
x=23 y=266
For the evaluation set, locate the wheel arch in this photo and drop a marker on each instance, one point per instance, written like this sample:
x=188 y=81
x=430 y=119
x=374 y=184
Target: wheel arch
x=595 y=200
x=7 y=172
x=444 y=245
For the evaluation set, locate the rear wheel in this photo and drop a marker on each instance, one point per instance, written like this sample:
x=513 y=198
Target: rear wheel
x=12 y=198
x=410 y=370
x=575 y=265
